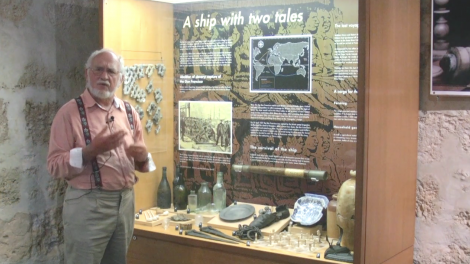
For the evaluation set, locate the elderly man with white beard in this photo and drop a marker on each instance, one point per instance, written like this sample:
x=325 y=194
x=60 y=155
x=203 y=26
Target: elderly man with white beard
x=96 y=145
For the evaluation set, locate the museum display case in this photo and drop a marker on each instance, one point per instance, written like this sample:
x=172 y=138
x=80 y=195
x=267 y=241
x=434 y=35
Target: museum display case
x=278 y=104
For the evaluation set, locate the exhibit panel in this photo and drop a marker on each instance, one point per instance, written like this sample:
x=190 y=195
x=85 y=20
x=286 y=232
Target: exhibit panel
x=266 y=107
x=266 y=84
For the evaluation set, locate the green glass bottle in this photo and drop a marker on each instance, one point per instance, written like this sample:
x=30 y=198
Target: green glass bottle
x=180 y=193
x=175 y=182
x=164 y=192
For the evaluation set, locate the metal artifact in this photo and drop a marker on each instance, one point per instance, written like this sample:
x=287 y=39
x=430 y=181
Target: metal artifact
x=213 y=231
x=314 y=175
x=206 y=236
x=248 y=232
x=237 y=212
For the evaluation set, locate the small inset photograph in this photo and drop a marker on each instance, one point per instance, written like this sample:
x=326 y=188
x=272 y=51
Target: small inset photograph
x=205 y=126
x=450 y=50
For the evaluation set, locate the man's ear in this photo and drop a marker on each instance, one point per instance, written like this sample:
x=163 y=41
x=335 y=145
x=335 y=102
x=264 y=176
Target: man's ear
x=122 y=77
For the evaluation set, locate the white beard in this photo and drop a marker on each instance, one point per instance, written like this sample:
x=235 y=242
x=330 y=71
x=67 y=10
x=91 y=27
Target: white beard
x=99 y=93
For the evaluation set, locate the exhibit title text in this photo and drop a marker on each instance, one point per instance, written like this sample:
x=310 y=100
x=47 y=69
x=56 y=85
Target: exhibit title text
x=238 y=19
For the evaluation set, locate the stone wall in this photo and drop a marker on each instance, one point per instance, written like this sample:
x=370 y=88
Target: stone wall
x=443 y=188
x=43 y=46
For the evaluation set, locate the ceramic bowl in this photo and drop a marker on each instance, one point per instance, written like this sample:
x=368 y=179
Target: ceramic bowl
x=322 y=199
x=308 y=209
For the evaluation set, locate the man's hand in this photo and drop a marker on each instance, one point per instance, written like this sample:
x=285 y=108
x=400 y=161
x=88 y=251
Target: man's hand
x=102 y=143
x=138 y=152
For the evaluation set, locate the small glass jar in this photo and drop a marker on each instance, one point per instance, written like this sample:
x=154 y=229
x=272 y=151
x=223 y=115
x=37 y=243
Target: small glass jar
x=192 y=201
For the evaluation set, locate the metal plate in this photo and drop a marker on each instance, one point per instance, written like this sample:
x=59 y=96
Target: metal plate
x=237 y=212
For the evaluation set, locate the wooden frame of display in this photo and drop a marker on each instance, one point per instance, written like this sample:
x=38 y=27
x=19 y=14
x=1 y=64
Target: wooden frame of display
x=386 y=152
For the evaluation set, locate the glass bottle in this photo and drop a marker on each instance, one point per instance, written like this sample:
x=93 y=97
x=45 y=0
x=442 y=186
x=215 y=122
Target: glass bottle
x=164 y=192
x=180 y=193
x=192 y=201
x=220 y=194
x=175 y=182
x=204 y=195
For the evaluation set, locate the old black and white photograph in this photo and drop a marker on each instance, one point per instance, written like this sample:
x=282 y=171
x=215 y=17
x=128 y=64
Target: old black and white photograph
x=205 y=126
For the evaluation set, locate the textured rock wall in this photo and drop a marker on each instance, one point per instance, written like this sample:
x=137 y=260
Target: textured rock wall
x=43 y=46
x=443 y=188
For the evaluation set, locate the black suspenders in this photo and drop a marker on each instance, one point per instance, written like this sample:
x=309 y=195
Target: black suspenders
x=87 y=135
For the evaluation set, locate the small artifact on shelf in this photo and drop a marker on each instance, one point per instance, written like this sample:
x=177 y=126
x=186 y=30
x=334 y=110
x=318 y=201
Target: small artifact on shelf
x=186 y=226
x=179 y=218
x=270 y=217
x=338 y=253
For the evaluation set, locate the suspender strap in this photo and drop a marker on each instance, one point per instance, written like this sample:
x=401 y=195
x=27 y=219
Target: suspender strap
x=130 y=117
x=87 y=135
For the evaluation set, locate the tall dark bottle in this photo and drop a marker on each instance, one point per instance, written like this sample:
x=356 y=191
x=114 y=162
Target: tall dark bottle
x=164 y=192
x=175 y=183
x=180 y=193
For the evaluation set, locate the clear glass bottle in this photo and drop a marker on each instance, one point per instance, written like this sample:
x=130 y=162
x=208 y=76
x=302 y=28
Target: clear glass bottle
x=220 y=194
x=192 y=201
x=164 y=192
x=204 y=195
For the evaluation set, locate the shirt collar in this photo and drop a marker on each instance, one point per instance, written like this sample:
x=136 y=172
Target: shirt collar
x=88 y=101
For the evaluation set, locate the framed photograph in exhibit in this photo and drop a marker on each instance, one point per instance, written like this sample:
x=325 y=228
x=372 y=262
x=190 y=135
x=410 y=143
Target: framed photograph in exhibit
x=205 y=126
x=450 y=51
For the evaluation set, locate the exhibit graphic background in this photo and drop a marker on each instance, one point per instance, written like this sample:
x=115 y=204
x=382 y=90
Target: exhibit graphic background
x=311 y=131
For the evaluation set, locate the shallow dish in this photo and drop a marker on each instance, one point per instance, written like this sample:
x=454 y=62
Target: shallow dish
x=237 y=212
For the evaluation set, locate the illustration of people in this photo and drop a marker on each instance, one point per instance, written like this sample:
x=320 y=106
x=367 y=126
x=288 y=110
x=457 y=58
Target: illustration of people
x=311 y=27
x=220 y=133
x=326 y=44
x=227 y=134
x=323 y=159
x=182 y=127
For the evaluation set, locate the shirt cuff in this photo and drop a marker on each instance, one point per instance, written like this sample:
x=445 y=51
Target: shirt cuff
x=76 y=158
x=152 y=166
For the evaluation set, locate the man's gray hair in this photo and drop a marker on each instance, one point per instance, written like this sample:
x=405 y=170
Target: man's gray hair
x=98 y=52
